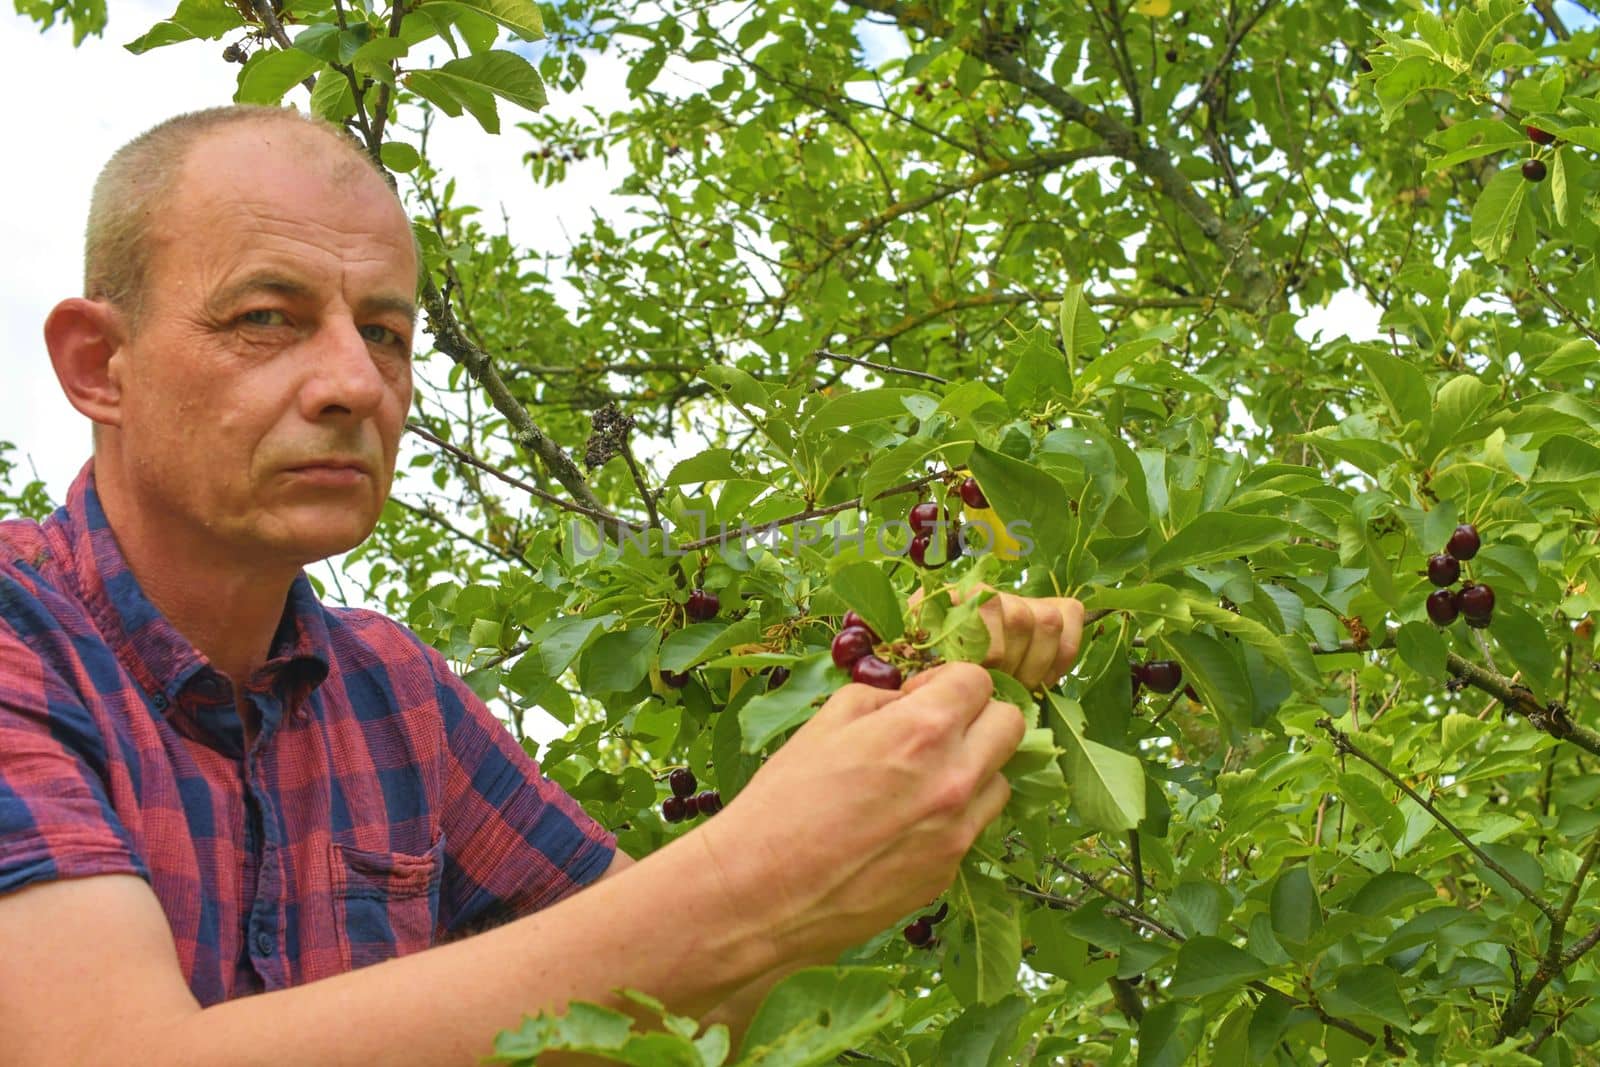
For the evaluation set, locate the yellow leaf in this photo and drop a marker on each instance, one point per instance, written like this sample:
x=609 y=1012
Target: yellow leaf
x=1153 y=8
x=988 y=533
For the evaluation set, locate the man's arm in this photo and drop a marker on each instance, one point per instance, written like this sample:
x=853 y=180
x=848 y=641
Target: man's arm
x=442 y=1006
x=861 y=817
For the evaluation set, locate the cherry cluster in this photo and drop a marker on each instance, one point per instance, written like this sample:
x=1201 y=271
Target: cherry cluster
x=685 y=803
x=853 y=648
x=924 y=520
x=1158 y=675
x=1474 y=600
x=919 y=932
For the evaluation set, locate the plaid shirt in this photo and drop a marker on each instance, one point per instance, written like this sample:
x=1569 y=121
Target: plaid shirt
x=381 y=809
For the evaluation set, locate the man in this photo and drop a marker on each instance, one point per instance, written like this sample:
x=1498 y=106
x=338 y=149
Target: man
x=212 y=786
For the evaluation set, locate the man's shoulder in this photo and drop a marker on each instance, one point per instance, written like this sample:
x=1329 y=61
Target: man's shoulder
x=364 y=634
x=23 y=545
x=32 y=589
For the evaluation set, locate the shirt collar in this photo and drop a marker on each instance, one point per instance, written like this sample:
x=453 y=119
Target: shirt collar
x=164 y=663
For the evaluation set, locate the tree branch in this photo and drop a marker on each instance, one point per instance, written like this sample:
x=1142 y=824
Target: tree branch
x=599 y=515
x=1156 y=164
x=1342 y=742
x=449 y=339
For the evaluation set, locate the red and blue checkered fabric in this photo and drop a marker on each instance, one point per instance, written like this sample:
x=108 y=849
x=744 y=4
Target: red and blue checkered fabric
x=382 y=808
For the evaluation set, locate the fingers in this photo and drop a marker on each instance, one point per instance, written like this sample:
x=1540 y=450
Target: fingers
x=961 y=689
x=1071 y=634
x=992 y=738
x=989 y=802
x=1037 y=666
x=852 y=701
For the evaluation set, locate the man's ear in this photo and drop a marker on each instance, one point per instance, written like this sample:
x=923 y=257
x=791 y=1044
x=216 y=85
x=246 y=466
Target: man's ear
x=84 y=338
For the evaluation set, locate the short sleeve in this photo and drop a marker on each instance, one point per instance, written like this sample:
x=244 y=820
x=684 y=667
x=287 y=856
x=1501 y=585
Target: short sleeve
x=515 y=840
x=56 y=820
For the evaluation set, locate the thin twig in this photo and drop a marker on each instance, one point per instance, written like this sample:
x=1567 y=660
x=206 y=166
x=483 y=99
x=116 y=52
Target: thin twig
x=882 y=368
x=1342 y=742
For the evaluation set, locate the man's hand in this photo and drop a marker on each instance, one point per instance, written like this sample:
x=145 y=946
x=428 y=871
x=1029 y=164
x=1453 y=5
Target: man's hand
x=867 y=811
x=1033 y=639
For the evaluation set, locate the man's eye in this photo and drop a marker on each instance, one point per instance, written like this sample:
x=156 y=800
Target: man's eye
x=263 y=317
x=381 y=335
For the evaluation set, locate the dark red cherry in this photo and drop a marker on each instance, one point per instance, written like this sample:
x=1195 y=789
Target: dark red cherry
x=776 y=677
x=1189 y=692
x=691 y=807
x=1477 y=603
x=1443 y=607
x=675 y=679
x=850 y=644
x=952 y=545
x=870 y=670
x=1443 y=569
x=972 y=494
x=703 y=605
x=709 y=802
x=938 y=916
x=674 y=809
x=852 y=619
x=919 y=550
x=682 y=782
x=924 y=517
x=1538 y=136
x=1535 y=170
x=1163 y=675
x=919 y=933
x=1464 y=542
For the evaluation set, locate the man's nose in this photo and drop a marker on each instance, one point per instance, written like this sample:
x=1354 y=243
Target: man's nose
x=345 y=376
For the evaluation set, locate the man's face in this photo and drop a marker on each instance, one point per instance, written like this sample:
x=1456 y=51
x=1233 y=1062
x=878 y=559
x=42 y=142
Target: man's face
x=276 y=335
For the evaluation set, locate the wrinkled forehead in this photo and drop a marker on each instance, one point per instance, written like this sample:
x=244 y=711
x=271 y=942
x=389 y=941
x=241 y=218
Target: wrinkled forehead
x=271 y=177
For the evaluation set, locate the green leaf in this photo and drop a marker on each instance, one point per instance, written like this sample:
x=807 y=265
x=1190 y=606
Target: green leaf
x=1081 y=331
x=521 y=17
x=1370 y=990
x=1216 y=535
x=1389 y=892
x=815 y=1014
x=789 y=705
x=616 y=662
x=684 y=648
x=1169 y=1034
x=560 y=640
x=1403 y=388
x=982 y=1035
x=270 y=74
x=399 y=156
x=589 y=1028
x=1565 y=458
x=1296 y=911
x=866 y=589
x=712 y=465
x=194 y=19
x=1107 y=785
x=1029 y=502
x=1500 y=210
x=472 y=82
x=1211 y=965
x=983 y=948
x=860 y=407
x=1422 y=647
x=1148 y=599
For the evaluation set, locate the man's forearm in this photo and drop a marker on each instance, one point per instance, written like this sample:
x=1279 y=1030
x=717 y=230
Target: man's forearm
x=658 y=926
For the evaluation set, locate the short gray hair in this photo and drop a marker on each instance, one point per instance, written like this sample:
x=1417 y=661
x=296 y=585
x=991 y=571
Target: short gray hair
x=136 y=183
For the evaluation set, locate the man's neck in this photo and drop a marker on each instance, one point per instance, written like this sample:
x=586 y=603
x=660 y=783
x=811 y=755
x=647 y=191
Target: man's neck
x=229 y=609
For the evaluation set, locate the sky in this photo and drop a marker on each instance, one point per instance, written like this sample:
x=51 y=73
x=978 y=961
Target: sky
x=43 y=231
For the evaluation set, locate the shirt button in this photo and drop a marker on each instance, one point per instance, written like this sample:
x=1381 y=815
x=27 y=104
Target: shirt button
x=264 y=943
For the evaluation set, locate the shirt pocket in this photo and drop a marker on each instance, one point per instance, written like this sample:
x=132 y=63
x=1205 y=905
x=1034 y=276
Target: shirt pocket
x=386 y=904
